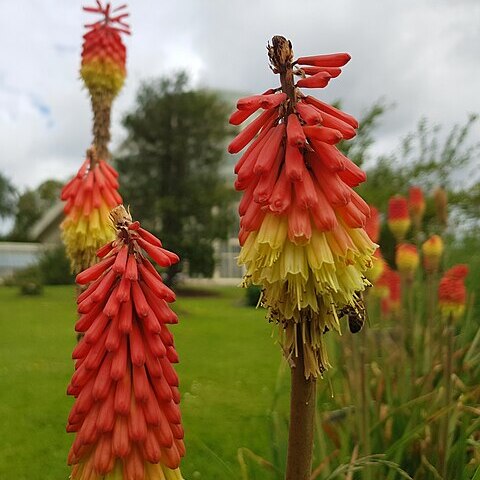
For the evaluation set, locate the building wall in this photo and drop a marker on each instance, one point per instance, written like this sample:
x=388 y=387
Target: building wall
x=17 y=255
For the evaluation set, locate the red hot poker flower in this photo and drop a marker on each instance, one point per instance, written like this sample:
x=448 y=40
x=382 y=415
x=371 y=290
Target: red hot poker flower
x=126 y=415
x=103 y=67
x=391 y=304
x=89 y=197
x=398 y=217
x=103 y=52
x=302 y=224
x=452 y=294
x=459 y=271
x=407 y=260
x=416 y=205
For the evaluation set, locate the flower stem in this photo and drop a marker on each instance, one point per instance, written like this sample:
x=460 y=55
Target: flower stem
x=101 y=106
x=448 y=371
x=302 y=415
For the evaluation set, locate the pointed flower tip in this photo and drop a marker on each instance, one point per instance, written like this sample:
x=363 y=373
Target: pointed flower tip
x=112 y=19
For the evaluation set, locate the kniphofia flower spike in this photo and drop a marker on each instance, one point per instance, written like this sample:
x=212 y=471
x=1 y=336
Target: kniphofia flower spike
x=398 y=217
x=89 y=197
x=103 y=67
x=302 y=224
x=452 y=294
x=416 y=205
x=126 y=412
x=407 y=260
x=391 y=304
x=432 y=250
x=103 y=52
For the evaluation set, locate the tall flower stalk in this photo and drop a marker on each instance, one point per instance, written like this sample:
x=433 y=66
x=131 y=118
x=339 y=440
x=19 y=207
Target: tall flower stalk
x=302 y=225
x=93 y=192
x=126 y=415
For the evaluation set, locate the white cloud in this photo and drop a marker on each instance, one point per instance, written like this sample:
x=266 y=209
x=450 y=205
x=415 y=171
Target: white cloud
x=420 y=54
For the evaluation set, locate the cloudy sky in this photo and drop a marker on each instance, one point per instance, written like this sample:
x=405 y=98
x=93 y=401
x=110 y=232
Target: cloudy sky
x=422 y=55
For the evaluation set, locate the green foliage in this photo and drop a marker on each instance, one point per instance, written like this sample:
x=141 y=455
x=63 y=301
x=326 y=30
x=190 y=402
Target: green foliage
x=7 y=197
x=31 y=205
x=358 y=149
x=170 y=168
x=427 y=158
x=226 y=370
x=31 y=288
x=28 y=280
x=54 y=267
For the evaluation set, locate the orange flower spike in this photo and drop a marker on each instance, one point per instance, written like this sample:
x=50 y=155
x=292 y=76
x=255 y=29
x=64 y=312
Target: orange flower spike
x=458 y=272
x=103 y=52
x=407 y=260
x=392 y=303
x=416 y=206
x=85 y=230
x=125 y=356
x=300 y=226
x=398 y=218
x=452 y=294
x=432 y=250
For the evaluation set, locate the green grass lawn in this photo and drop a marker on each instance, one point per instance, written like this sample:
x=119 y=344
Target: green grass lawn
x=228 y=371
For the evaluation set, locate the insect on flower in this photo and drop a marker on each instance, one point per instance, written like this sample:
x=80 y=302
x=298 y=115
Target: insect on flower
x=302 y=223
x=356 y=314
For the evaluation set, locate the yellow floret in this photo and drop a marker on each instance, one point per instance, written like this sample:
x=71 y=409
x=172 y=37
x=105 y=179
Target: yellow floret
x=103 y=75
x=306 y=284
x=84 y=235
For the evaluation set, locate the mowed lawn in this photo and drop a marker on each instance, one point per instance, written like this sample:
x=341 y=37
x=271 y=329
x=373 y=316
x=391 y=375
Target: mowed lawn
x=227 y=372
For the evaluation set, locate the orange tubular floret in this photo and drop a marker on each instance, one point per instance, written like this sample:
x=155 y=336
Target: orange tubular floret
x=126 y=412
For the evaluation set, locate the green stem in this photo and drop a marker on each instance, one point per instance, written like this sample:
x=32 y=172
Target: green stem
x=448 y=371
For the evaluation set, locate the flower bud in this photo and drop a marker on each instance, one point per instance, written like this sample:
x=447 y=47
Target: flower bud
x=391 y=304
x=398 y=217
x=452 y=294
x=407 y=260
x=432 y=253
x=103 y=52
x=416 y=206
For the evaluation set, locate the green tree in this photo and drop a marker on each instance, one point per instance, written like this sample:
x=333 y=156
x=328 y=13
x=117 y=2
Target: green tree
x=31 y=205
x=358 y=149
x=7 y=197
x=170 y=168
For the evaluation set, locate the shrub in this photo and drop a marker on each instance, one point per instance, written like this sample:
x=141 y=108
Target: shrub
x=28 y=280
x=54 y=267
